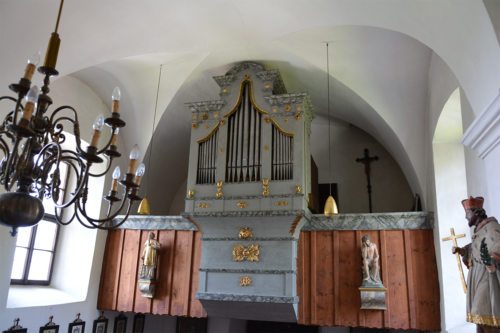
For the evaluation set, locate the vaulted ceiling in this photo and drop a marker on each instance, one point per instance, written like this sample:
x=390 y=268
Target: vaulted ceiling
x=381 y=53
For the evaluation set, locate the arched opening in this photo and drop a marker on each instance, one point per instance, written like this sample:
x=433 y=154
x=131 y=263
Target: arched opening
x=451 y=188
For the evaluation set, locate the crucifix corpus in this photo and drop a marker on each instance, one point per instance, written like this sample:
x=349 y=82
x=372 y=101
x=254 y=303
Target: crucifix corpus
x=367 y=160
x=454 y=238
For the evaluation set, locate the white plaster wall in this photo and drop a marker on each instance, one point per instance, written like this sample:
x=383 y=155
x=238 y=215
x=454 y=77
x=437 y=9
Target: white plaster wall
x=390 y=190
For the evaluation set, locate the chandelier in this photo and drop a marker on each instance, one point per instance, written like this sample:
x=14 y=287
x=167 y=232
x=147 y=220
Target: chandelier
x=34 y=155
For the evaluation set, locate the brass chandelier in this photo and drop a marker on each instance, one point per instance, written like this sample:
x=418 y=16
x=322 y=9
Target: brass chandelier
x=31 y=140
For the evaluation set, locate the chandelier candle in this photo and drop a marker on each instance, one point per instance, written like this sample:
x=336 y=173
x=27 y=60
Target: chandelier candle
x=31 y=100
x=31 y=66
x=116 y=176
x=115 y=106
x=141 y=169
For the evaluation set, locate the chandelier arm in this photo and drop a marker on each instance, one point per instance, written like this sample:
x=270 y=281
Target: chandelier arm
x=113 y=226
x=59 y=218
x=76 y=126
x=7 y=171
x=109 y=162
x=97 y=222
x=81 y=181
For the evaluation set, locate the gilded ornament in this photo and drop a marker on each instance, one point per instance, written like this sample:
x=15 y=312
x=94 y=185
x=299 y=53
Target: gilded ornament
x=216 y=115
x=265 y=187
x=267 y=120
x=298 y=189
x=204 y=116
x=245 y=233
x=282 y=203
x=194 y=125
x=298 y=115
x=190 y=194
x=242 y=204
x=245 y=281
x=218 y=193
x=203 y=205
x=288 y=108
x=250 y=253
x=267 y=86
x=274 y=110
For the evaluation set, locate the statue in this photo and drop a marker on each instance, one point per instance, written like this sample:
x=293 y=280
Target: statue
x=147 y=271
x=370 y=257
x=482 y=258
x=150 y=257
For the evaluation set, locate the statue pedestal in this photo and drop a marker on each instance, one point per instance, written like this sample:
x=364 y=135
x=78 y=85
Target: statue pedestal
x=373 y=298
x=147 y=287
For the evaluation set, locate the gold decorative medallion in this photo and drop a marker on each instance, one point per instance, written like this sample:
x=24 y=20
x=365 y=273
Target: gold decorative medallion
x=265 y=187
x=298 y=189
x=242 y=204
x=190 y=194
x=245 y=281
x=245 y=233
x=218 y=193
x=282 y=203
x=203 y=205
x=288 y=108
x=250 y=253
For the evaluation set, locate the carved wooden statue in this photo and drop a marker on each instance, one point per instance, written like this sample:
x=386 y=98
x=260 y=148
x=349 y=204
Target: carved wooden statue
x=147 y=272
x=371 y=270
x=372 y=290
x=482 y=257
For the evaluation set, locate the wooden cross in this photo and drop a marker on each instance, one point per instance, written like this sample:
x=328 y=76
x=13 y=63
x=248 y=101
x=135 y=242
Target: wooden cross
x=454 y=238
x=367 y=160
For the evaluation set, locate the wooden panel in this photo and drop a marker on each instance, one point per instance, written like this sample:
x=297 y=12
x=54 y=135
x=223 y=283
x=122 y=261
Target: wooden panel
x=396 y=285
x=182 y=263
x=143 y=304
x=425 y=280
x=336 y=270
x=161 y=302
x=324 y=278
x=349 y=279
x=128 y=271
x=110 y=272
x=196 y=309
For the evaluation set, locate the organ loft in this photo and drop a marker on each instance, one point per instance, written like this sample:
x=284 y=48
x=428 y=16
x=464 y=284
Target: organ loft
x=247 y=245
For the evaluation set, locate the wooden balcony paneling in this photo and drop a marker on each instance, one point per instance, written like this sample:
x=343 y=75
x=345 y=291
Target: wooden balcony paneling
x=177 y=269
x=329 y=274
x=328 y=277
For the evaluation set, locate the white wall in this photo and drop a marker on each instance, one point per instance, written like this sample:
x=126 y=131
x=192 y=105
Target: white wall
x=390 y=190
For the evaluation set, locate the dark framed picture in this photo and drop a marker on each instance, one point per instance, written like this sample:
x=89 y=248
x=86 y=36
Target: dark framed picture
x=100 y=325
x=139 y=321
x=120 y=324
x=49 y=329
x=16 y=330
x=76 y=327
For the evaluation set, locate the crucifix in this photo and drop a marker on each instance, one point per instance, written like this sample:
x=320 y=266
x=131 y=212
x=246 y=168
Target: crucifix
x=367 y=160
x=454 y=238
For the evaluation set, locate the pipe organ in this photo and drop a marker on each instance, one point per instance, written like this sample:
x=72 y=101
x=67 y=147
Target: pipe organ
x=248 y=180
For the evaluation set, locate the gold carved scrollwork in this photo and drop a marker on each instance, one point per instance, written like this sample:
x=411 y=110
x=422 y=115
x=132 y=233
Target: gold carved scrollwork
x=190 y=194
x=265 y=187
x=245 y=281
x=282 y=203
x=218 y=193
x=203 y=205
x=250 y=253
x=245 y=233
x=298 y=189
x=242 y=204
